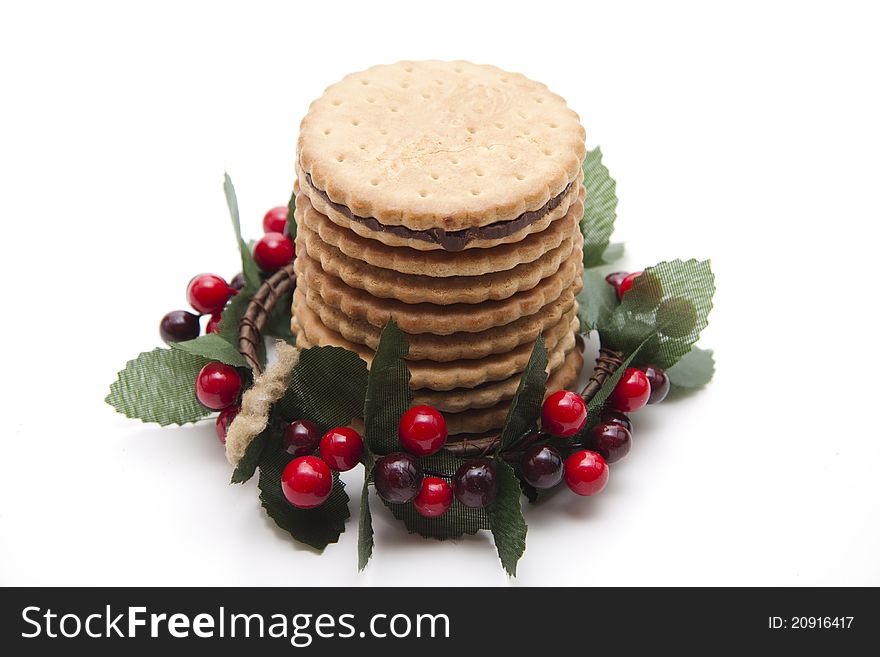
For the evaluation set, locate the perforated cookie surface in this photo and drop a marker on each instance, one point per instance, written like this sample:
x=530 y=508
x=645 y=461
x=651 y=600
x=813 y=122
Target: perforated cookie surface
x=433 y=144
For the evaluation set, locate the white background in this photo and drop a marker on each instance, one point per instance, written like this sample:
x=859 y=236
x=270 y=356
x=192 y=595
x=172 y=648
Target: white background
x=748 y=134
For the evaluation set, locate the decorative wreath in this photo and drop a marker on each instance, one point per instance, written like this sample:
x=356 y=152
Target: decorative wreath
x=318 y=411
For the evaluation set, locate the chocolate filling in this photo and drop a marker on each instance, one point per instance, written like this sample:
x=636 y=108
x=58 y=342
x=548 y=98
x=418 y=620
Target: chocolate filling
x=455 y=240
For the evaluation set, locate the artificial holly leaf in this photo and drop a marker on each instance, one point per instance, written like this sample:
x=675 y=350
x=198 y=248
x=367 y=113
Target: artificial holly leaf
x=388 y=394
x=596 y=301
x=159 y=386
x=316 y=527
x=365 y=528
x=230 y=319
x=668 y=305
x=327 y=386
x=695 y=369
x=600 y=207
x=526 y=405
x=212 y=347
x=291 y=220
x=249 y=269
x=506 y=519
x=247 y=466
x=278 y=322
x=613 y=253
x=456 y=522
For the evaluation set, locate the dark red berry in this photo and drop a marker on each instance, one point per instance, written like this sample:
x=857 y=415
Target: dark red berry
x=273 y=251
x=342 y=448
x=475 y=483
x=178 y=326
x=610 y=416
x=207 y=293
x=659 y=383
x=676 y=317
x=586 y=472
x=612 y=441
x=301 y=438
x=422 y=430
x=541 y=466
x=227 y=415
x=213 y=325
x=615 y=279
x=398 y=477
x=434 y=498
x=237 y=281
x=306 y=482
x=275 y=220
x=626 y=283
x=563 y=413
x=631 y=392
x=218 y=385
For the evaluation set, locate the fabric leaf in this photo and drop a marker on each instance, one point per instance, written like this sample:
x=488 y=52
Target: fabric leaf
x=249 y=268
x=365 y=528
x=316 y=527
x=159 y=386
x=525 y=408
x=388 y=394
x=278 y=322
x=600 y=207
x=613 y=253
x=506 y=519
x=291 y=220
x=327 y=387
x=247 y=466
x=596 y=301
x=694 y=370
x=213 y=347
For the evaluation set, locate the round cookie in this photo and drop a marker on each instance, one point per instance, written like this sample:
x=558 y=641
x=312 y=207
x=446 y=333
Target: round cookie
x=430 y=318
x=440 y=263
x=457 y=346
x=533 y=222
x=481 y=420
x=447 y=375
x=412 y=288
x=448 y=145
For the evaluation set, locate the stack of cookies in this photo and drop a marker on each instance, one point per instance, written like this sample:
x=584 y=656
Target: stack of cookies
x=447 y=196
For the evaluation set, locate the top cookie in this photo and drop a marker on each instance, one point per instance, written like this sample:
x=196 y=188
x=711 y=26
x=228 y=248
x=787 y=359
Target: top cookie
x=440 y=145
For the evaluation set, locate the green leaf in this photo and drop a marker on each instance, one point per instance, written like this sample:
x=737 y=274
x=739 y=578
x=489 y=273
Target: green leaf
x=278 y=322
x=613 y=253
x=388 y=394
x=249 y=268
x=230 y=319
x=694 y=370
x=316 y=527
x=596 y=301
x=600 y=206
x=668 y=305
x=525 y=408
x=291 y=220
x=456 y=522
x=365 y=528
x=213 y=347
x=247 y=466
x=159 y=386
x=506 y=519
x=327 y=386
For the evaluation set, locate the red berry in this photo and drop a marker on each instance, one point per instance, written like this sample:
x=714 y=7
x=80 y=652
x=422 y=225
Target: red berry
x=227 y=415
x=398 y=477
x=207 y=293
x=624 y=286
x=306 y=482
x=422 y=430
x=586 y=472
x=541 y=466
x=237 y=282
x=610 y=416
x=218 y=385
x=615 y=279
x=275 y=220
x=178 y=326
x=213 y=324
x=341 y=448
x=476 y=483
x=273 y=252
x=632 y=391
x=301 y=438
x=563 y=413
x=659 y=383
x=612 y=441
x=434 y=499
